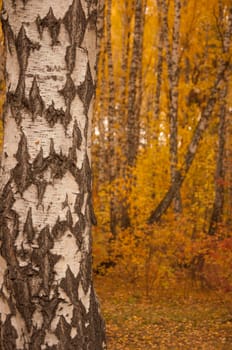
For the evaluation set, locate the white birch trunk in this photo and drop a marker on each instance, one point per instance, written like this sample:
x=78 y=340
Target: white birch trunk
x=47 y=299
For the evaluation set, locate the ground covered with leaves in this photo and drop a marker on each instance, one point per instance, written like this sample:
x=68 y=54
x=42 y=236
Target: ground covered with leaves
x=168 y=320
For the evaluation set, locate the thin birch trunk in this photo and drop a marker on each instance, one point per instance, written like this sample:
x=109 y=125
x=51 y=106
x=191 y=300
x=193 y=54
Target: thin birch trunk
x=111 y=122
x=173 y=57
x=159 y=65
x=135 y=66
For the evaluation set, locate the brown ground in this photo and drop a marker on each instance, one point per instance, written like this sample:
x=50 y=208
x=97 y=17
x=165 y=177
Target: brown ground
x=202 y=321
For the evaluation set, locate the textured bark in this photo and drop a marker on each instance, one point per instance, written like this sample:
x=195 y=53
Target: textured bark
x=47 y=300
x=192 y=148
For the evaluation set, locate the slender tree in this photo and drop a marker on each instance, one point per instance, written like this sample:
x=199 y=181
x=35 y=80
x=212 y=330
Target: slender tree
x=47 y=300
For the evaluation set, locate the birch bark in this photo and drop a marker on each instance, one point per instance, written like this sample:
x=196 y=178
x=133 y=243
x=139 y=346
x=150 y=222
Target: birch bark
x=47 y=300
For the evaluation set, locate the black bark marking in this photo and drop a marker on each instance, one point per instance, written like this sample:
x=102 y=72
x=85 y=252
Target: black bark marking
x=69 y=218
x=8 y=35
x=6 y=202
x=75 y=23
x=9 y=334
x=70 y=285
x=23 y=46
x=37 y=339
x=41 y=186
x=91 y=214
x=77 y=137
x=53 y=115
x=23 y=298
x=59 y=228
x=53 y=25
x=22 y=172
x=78 y=203
x=43 y=258
x=28 y=230
x=62 y=332
x=65 y=203
x=36 y=104
x=52 y=148
x=49 y=308
x=86 y=272
x=86 y=90
x=58 y=166
x=86 y=174
x=38 y=161
x=97 y=323
x=70 y=57
x=68 y=92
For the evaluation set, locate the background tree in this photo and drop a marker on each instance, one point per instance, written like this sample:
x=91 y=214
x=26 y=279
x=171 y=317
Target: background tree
x=47 y=298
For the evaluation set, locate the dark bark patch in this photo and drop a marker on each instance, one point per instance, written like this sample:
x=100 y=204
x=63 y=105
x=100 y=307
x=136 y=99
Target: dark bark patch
x=9 y=334
x=62 y=332
x=28 y=230
x=53 y=115
x=69 y=218
x=68 y=92
x=77 y=137
x=8 y=35
x=23 y=299
x=86 y=272
x=15 y=107
x=78 y=203
x=70 y=285
x=91 y=215
x=36 y=104
x=37 y=339
x=58 y=166
x=65 y=203
x=53 y=25
x=38 y=161
x=41 y=188
x=97 y=324
x=6 y=202
x=75 y=23
x=59 y=228
x=23 y=46
x=45 y=241
x=22 y=172
x=86 y=90
x=70 y=57
x=49 y=309
x=52 y=149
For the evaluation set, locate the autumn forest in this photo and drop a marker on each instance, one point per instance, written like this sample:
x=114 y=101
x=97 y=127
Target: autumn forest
x=162 y=173
x=162 y=147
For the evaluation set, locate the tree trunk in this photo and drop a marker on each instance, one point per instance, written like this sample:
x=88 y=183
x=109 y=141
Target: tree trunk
x=173 y=57
x=47 y=300
x=133 y=126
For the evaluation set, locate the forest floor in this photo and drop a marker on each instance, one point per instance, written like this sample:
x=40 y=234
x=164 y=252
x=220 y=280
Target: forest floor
x=199 y=320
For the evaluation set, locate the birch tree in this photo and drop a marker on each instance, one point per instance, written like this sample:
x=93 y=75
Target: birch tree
x=47 y=300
